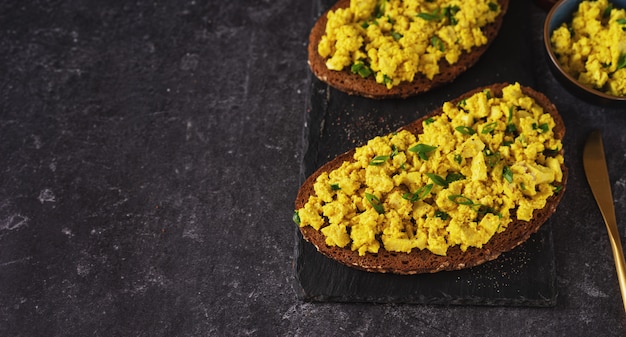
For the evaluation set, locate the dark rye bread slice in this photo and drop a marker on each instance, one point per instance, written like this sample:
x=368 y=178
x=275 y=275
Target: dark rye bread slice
x=423 y=261
x=354 y=84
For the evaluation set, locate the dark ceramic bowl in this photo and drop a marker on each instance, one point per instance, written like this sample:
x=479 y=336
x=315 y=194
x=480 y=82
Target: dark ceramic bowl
x=562 y=12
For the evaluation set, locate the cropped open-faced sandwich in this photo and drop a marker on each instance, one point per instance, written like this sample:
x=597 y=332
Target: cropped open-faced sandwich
x=400 y=48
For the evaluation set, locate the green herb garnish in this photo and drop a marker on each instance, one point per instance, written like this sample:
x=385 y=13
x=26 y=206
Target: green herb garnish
x=544 y=127
x=394 y=151
x=507 y=174
x=491 y=158
x=437 y=179
x=335 y=187
x=422 y=150
x=442 y=215
x=375 y=202
x=479 y=208
x=449 y=12
x=460 y=199
x=482 y=209
x=378 y=160
x=621 y=62
x=454 y=176
x=607 y=11
x=450 y=178
x=419 y=194
x=436 y=42
x=510 y=126
x=488 y=128
x=434 y=16
x=296 y=217
x=396 y=36
x=466 y=130
x=380 y=9
x=362 y=69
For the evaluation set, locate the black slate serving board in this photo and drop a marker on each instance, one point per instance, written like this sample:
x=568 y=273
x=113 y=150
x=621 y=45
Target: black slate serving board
x=337 y=122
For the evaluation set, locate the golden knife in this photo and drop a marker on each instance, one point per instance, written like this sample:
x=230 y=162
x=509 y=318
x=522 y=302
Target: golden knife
x=598 y=178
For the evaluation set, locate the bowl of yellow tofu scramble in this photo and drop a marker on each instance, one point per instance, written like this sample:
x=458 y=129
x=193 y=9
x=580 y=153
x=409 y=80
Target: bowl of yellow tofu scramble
x=586 y=44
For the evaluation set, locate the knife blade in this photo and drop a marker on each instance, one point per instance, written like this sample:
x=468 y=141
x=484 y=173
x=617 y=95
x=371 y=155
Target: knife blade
x=597 y=175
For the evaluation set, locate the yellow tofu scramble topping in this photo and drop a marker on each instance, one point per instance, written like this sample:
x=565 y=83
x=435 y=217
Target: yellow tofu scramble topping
x=457 y=183
x=395 y=39
x=592 y=47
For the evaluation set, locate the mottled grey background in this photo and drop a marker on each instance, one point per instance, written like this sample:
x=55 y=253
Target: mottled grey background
x=149 y=157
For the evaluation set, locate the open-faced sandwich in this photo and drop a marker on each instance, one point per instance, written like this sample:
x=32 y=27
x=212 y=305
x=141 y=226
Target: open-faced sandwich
x=452 y=190
x=400 y=48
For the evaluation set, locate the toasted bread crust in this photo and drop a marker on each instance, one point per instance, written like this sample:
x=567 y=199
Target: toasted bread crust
x=423 y=261
x=354 y=84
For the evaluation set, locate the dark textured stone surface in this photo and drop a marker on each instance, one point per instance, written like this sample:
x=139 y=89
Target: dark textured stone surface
x=150 y=154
